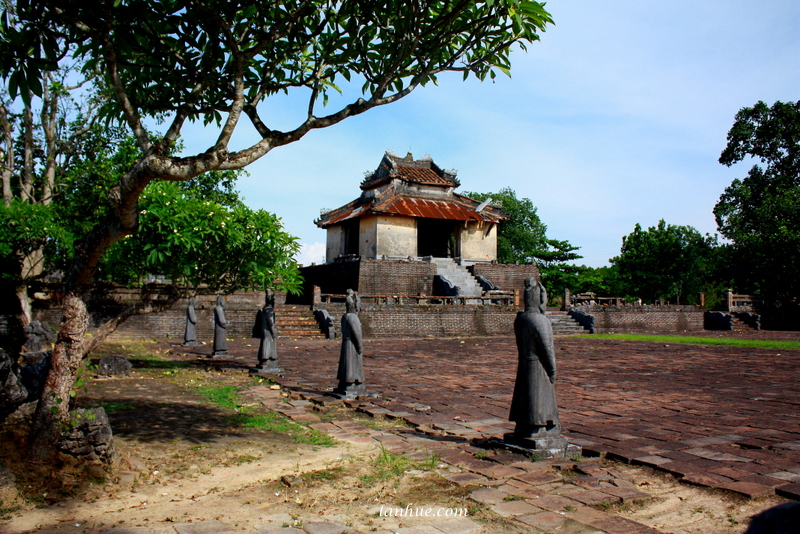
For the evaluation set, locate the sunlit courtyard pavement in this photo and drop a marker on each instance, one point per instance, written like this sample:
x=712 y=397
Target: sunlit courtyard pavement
x=718 y=417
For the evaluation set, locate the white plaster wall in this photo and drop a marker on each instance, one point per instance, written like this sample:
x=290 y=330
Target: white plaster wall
x=368 y=236
x=479 y=241
x=397 y=236
x=334 y=245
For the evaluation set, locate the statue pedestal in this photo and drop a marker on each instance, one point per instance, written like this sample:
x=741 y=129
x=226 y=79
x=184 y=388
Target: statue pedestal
x=349 y=391
x=218 y=353
x=539 y=448
x=190 y=344
x=266 y=369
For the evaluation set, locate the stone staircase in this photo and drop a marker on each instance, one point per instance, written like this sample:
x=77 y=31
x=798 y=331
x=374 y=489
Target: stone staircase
x=741 y=326
x=296 y=321
x=564 y=324
x=459 y=276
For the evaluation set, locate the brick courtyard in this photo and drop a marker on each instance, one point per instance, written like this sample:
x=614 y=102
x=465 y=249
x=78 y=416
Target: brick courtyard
x=720 y=417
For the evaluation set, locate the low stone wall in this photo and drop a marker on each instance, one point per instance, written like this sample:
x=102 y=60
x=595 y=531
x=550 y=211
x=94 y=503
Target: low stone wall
x=609 y=320
x=431 y=320
x=240 y=313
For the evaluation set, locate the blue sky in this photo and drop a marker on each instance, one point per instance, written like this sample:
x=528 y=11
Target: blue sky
x=616 y=117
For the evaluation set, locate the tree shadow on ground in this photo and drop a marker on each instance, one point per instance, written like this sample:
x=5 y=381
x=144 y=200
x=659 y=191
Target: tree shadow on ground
x=155 y=421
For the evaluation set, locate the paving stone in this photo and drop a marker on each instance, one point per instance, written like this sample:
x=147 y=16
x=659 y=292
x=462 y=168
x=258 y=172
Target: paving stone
x=538 y=478
x=708 y=480
x=763 y=480
x=502 y=471
x=592 y=497
x=523 y=490
x=467 y=479
x=584 y=514
x=786 y=476
x=487 y=495
x=791 y=491
x=461 y=525
x=203 y=527
x=651 y=461
x=554 y=503
x=626 y=494
x=422 y=529
x=591 y=469
x=326 y=527
x=590 y=482
x=748 y=489
x=137 y=530
x=543 y=521
x=513 y=508
x=621 y=525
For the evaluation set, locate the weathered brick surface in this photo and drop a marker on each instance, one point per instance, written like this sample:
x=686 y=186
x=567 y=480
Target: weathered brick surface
x=506 y=277
x=436 y=320
x=240 y=313
x=649 y=319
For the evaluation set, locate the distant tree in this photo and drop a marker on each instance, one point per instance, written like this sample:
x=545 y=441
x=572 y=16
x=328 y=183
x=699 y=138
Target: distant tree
x=216 y=62
x=760 y=214
x=599 y=280
x=664 y=262
x=522 y=238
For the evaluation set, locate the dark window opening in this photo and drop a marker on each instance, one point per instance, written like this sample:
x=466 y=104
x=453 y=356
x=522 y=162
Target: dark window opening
x=437 y=238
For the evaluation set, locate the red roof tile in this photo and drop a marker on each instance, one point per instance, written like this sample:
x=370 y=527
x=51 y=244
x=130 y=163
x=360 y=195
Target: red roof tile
x=458 y=208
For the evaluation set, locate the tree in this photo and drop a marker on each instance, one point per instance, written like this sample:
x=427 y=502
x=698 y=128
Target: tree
x=216 y=61
x=522 y=238
x=664 y=262
x=39 y=140
x=759 y=214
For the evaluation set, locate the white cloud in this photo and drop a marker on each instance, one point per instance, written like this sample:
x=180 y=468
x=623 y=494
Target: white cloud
x=313 y=253
x=616 y=117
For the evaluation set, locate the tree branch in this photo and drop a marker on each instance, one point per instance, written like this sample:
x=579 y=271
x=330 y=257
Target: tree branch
x=131 y=116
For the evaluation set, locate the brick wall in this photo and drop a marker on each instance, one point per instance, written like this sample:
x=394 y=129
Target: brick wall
x=506 y=277
x=609 y=319
x=386 y=277
x=431 y=320
x=240 y=313
x=368 y=277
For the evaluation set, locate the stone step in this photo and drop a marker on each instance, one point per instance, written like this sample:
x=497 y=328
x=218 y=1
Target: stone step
x=296 y=321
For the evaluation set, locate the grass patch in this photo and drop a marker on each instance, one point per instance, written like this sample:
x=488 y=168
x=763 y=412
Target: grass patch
x=224 y=396
x=712 y=341
x=228 y=397
x=324 y=475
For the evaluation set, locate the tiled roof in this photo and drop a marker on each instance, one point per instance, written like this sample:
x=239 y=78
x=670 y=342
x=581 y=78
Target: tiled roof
x=424 y=172
x=457 y=208
x=424 y=176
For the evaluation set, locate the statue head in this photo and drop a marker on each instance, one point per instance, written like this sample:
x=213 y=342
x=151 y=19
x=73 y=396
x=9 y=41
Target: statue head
x=220 y=301
x=535 y=296
x=192 y=301
x=269 y=298
x=351 y=302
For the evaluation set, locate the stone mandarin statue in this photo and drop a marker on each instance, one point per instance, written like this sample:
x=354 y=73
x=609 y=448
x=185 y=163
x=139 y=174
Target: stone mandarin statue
x=351 y=363
x=533 y=406
x=190 y=335
x=220 y=325
x=265 y=330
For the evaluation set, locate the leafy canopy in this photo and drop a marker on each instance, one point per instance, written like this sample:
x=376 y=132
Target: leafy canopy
x=664 y=262
x=193 y=240
x=522 y=238
x=759 y=214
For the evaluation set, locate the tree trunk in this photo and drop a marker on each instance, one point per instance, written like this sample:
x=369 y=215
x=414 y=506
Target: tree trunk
x=53 y=408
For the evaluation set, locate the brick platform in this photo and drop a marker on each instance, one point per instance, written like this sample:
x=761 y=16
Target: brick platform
x=720 y=417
